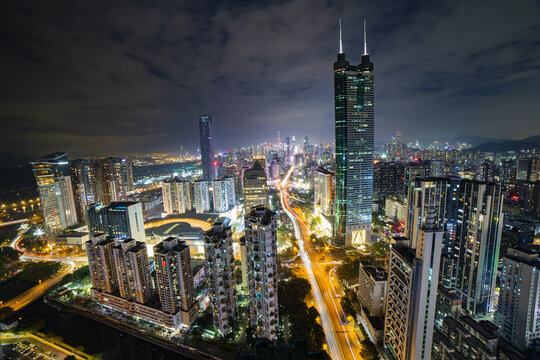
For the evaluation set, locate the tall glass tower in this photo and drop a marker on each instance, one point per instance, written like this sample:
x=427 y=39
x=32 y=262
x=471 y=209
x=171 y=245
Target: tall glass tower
x=354 y=113
x=207 y=147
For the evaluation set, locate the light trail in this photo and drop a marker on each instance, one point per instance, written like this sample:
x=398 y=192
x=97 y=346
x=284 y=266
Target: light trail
x=331 y=338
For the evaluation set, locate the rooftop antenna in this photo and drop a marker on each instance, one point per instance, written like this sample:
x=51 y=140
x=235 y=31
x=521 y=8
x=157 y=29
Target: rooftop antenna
x=340 y=40
x=365 y=41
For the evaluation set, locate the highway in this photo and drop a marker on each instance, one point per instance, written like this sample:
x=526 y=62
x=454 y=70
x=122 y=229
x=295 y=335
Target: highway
x=342 y=338
x=37 y=291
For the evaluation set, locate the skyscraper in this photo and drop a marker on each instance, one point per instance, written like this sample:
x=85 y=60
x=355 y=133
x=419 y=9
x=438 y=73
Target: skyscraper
x=412 y=294
x=115 y=179
x=354 y=122
x=518 y=309
x=174 y=279
x=260 y=225
x=255 y=186
x=220 y=275
x=207 y=146
x=55 y=191
x=119 y=220
x=470 y=213
x=176 y=196
x=85 y=186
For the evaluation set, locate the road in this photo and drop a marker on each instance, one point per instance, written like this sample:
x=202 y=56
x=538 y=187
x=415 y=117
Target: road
x=342 y=338
x=37 y=291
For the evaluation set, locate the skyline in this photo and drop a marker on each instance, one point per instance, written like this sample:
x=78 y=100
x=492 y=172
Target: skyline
x=90 y=86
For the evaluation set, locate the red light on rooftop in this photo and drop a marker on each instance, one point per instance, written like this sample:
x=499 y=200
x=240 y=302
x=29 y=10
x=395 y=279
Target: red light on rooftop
x=215 y=163
x=515 y=197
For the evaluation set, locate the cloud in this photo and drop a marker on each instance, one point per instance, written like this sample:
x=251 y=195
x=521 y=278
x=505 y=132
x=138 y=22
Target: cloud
x=96 y=78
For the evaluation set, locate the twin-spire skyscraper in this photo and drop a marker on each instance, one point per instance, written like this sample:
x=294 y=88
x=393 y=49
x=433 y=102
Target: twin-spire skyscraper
x=354 y=121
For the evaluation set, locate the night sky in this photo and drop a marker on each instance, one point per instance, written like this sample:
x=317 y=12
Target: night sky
x=115 y=77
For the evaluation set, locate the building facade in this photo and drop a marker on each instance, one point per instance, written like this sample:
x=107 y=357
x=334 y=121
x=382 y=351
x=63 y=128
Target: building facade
x=207 y=147
x=260 y=232
x=176 y=196
x=324 y=186
x=224 y=194
x=55 y=189
x=201 y=196
x=354 y=125
x=255 y=186
x=119 y=220
x=518 y=309
x=220 y=274
x=372 y=288
x=174 y=278
x=412 y=294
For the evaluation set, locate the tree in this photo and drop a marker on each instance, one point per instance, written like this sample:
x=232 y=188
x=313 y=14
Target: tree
x=41 y=270
x=29 y=325
x=369 y=350
x=347 y=306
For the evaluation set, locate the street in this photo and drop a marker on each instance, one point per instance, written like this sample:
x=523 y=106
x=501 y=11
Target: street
x=342 y=338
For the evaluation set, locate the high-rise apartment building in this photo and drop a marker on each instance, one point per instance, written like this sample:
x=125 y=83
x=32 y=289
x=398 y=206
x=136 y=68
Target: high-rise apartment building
x=176 y=196
x=470 y=213
x=99 y=250
x=207 y=147
x=260 y=227
x=255 y=186
x=220 y=273
x=201 y=196
x=412 y=294
x=55 y=191
x=323 y=185
x=224 y=194
x=133 y=270
x=518 y=309
x=119 y=220
x=354 y=123
x=115 y=178
x=174 y=278
x=85 y=184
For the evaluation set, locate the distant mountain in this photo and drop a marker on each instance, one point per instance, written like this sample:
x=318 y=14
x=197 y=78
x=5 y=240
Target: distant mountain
x=529 y=143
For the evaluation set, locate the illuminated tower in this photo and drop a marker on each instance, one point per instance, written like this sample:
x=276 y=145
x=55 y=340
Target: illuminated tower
x=354 y=115
x=207 y=147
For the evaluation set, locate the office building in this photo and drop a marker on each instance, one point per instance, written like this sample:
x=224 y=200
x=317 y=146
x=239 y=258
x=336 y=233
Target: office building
x=388 y=179
x=220 y=275
x=224 y=194
x=518 y=309
x=206 y=135
x=174 y=279
x=372 y=288
x=99 y=250
x=412 y=294
x=201 y=196
x=119 y=220
x=354 y=125
x=53 y=180
x=470 y=213
x=255 y=186
x=176 y=196
x=260 y=232
x=323 y=186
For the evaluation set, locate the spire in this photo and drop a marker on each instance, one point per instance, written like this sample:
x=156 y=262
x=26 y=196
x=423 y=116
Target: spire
x=365 y=41
x=340 y=40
